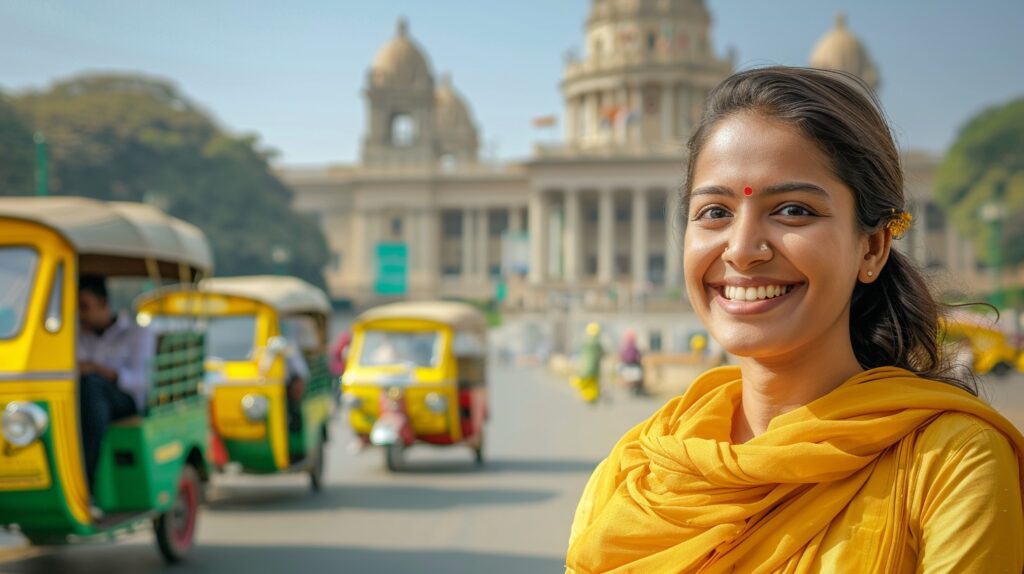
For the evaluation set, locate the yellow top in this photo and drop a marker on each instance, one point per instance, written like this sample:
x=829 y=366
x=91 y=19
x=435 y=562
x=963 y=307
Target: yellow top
x=888 y=473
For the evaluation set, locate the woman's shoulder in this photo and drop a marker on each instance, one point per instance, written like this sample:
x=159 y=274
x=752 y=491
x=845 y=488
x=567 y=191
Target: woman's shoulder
x=960 y=443
x=953 y=431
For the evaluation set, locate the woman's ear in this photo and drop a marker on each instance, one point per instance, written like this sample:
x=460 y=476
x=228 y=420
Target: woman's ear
x=877 y=247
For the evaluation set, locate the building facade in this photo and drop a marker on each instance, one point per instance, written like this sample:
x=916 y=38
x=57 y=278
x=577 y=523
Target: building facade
x=592 y=222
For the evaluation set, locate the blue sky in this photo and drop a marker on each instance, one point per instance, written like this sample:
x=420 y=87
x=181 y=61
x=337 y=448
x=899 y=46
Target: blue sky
x=293 y=72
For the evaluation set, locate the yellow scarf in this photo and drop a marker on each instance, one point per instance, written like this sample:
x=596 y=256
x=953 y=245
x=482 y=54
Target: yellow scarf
x=676 y=495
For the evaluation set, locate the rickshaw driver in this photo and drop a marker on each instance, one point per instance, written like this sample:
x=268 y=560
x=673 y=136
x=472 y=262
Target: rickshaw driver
x=113 y=353
x=296 y=375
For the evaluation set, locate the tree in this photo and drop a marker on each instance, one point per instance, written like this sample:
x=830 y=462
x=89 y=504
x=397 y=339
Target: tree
x=133 y=138
x=16 y=152
x=986 y=164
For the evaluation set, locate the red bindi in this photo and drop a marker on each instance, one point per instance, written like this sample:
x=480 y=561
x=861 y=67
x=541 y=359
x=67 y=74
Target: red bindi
x=748 y=191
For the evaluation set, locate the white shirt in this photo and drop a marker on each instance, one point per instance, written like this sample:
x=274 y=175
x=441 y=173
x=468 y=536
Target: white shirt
x=124 y=347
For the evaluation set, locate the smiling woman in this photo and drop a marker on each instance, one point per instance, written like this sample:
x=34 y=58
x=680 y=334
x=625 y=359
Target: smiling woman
x=840 y=443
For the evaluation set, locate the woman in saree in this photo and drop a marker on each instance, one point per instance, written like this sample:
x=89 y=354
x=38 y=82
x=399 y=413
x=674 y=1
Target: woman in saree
x=842 y=441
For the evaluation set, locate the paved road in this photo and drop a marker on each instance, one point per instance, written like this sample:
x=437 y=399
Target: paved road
x=443 y=515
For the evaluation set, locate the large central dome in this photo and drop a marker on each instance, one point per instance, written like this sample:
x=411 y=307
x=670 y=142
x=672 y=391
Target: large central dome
x=400 y=64
x=840 y=50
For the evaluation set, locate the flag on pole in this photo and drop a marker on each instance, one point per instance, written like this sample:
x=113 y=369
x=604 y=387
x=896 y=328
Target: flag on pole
x=544 y=121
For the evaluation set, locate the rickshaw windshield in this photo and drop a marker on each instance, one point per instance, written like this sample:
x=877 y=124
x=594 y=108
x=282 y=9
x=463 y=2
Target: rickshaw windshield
x=231 y=338
x=381 y=348
x=17 y=276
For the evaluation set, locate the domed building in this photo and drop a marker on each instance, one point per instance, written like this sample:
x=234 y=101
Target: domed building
x=591 y=221
x=412 y=124
x=840 y=50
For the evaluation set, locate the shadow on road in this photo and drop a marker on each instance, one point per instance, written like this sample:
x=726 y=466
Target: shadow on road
x=140 y=558
x=367 y=497
x=537 y=466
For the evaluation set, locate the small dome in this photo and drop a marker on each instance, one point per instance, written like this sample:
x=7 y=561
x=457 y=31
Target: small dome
x=840 y=50
x=456 y=130
x=400 y=63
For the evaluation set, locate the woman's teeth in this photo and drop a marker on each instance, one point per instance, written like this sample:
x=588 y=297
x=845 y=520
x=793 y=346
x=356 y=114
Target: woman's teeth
x=755 y=293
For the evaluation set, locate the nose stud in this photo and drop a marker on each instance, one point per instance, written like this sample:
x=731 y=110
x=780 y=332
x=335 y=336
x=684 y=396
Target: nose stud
x=764 y=246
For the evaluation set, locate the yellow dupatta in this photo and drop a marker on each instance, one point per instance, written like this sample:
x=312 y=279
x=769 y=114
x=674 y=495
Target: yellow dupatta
x=675 y=495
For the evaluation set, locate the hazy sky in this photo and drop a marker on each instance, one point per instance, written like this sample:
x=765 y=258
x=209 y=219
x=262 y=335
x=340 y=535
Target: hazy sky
x=293 y=71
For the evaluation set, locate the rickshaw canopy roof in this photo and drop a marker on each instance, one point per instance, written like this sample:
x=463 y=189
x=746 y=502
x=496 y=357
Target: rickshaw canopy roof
x=116 y=229
x=455 y=314
x=287 y=295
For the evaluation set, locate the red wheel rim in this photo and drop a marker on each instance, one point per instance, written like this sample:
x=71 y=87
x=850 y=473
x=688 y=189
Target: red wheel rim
x=183 y=514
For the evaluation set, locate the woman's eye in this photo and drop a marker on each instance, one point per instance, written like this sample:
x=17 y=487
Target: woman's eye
x=795 y=211
x=712 y=212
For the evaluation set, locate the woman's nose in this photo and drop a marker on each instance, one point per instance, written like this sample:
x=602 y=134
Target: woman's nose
x=747 y=244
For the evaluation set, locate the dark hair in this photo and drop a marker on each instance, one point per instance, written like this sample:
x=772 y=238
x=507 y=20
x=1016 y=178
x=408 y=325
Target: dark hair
x=894 y=321
x=95 y=284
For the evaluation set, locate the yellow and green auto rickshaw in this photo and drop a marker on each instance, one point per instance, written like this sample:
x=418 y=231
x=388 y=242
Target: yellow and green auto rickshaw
x=265 y=335
x=151 y=465
x=417 y=372
x=982 y=344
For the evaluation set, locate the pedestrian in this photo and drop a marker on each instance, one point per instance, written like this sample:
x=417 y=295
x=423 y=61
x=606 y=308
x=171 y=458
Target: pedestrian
x=588 y=380
x=631 y=363
x=840 y=442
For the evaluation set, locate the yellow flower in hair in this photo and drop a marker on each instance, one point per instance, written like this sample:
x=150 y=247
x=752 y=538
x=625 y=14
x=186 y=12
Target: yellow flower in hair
x=899 y=223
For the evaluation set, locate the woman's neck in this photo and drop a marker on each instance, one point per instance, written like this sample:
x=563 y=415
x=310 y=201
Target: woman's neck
x=775 y=386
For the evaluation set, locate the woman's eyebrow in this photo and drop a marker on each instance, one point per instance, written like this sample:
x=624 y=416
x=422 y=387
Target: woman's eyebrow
x=770 y=190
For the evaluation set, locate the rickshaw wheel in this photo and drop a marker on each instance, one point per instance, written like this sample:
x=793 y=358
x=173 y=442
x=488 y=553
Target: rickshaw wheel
x=1001 y=369
x=393 y=457
x=176 y=527
x=316 y=470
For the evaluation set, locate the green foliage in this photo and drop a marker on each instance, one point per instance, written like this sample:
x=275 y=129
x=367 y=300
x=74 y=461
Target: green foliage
x=16 y=153
x=987 y=164
x=134 y=138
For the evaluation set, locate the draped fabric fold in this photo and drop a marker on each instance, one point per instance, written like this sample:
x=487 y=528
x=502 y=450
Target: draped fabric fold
x=675 y=495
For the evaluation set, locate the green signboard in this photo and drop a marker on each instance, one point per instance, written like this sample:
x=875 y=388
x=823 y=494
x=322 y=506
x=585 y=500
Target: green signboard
x=392 y=268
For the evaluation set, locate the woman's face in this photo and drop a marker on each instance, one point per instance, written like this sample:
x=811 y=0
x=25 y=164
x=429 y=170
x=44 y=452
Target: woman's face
x=770 y=273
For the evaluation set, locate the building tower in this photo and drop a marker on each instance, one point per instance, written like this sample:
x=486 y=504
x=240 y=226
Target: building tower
x=840 y=50
x=400 y=106
x=647 y=68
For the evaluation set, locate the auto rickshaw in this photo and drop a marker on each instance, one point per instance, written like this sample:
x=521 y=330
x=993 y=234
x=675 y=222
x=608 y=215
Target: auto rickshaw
x=989 y=349
x=257 y=327
x=151 y=465
x=417 y=372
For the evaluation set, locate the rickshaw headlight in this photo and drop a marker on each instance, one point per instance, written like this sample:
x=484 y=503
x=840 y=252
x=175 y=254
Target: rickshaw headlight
x=436 y=402
x=255 y=407
x=23 y=423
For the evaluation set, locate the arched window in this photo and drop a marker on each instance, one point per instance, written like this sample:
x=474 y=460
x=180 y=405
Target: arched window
x=403 y=130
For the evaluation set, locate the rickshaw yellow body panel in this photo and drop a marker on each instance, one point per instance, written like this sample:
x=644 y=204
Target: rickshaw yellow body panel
x=38 y=366
x=360 y=381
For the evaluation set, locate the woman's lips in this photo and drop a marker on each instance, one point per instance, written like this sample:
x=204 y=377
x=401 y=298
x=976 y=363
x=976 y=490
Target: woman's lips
x=738 y=307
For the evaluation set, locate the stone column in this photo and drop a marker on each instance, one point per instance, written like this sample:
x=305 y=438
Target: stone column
x=605 y=236
x=593 y=119
x=538 y=221
x=515 y=219
x=571 y=117
x=673 y=238
x=639 y=254
x=667 y=112
x=429 y=239
x=483 y=242
x=920 y=233
x=468 y=230
x=573 y=236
